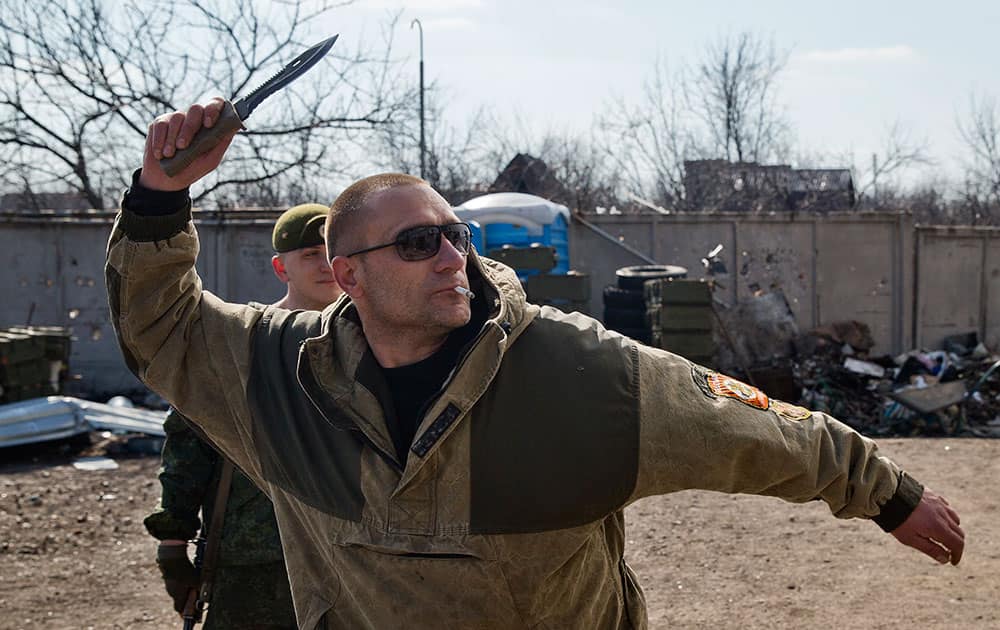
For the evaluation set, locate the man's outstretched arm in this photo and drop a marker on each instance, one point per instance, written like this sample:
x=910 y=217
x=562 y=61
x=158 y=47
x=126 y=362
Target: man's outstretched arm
x=703 y=430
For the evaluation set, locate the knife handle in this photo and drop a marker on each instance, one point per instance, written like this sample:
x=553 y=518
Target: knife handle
x=203 y=141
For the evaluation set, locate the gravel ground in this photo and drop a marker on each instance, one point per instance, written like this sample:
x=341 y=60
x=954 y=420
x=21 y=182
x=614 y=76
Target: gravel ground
x=74 y=553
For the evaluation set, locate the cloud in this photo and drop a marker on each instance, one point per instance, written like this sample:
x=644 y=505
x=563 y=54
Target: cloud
x=861 y=55
x=422 y=5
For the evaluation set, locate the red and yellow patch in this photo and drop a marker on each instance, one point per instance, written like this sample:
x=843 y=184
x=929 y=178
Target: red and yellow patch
x=729 y=387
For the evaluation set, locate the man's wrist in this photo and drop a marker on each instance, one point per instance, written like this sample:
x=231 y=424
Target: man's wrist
x=145 y=183
x=145 y=201
x=901 y=504
x=153 y=215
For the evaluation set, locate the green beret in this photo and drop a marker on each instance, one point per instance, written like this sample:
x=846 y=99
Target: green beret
x=298 y=227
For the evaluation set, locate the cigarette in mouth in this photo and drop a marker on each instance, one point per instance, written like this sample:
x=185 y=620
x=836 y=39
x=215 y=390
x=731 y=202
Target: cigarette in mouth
x=465 y=292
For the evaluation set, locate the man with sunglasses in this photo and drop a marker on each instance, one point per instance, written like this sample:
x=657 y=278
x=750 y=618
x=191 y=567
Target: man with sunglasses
x=440 y=453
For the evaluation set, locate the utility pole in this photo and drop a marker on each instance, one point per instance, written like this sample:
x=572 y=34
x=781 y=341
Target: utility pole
x=423 y=144
x=875 y=178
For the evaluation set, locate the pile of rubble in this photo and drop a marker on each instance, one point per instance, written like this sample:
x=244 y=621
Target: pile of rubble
x=951 y=391
x=954 y=391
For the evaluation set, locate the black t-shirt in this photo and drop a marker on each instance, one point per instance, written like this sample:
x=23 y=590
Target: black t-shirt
x=414 y=387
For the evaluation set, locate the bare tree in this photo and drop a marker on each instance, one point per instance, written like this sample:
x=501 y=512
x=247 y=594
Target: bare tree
x=647 y=143
x=576 y=173
x=79 y=82
x=580 y=164
x=733 y=91
x=458 y=160
x=722 y=107
x=878 y=177
x=877 y=183
x=981 y=134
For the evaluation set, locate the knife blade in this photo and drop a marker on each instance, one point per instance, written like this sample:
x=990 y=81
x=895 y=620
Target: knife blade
x=233 y=114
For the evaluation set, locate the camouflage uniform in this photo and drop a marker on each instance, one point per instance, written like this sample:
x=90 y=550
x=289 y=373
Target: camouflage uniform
x=251 y=586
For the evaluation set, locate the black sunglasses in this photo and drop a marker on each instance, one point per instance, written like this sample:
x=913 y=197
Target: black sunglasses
x=423 y=242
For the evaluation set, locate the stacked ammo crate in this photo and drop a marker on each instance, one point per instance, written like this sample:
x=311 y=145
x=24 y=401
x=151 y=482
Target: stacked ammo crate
x=658 y=306
x=685 y=317
x=568 y=291
x=33 y=361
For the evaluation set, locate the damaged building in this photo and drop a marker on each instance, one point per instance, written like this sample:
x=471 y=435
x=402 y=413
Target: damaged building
x=723 y=186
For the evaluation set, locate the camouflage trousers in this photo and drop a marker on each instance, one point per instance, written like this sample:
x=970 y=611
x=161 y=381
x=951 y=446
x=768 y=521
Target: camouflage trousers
x=252 y=597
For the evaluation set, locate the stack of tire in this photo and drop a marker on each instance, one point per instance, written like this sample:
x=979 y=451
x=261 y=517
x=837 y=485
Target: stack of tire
x=632 y=306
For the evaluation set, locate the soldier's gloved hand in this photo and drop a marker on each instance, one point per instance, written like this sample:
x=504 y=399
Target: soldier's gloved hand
x=179 y=575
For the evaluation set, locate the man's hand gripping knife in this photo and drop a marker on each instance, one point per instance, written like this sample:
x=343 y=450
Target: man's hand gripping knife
x=174 y=131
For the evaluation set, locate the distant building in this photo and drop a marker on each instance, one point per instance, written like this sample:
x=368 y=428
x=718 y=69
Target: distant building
x=532 y=176
x=720 y=185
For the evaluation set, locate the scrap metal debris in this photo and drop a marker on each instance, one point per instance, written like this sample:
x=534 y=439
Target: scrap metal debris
x=951 y=391
x=57 y=417
x=917 y=393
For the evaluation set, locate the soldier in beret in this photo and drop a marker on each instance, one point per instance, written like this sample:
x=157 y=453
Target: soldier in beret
x=250 y=586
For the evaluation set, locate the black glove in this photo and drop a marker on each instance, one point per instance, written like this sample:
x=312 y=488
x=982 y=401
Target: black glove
x=179 y=575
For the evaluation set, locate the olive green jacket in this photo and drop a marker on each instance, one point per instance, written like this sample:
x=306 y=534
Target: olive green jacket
x=508 y=512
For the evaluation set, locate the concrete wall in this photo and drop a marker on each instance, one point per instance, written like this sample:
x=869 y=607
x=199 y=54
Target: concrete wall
x=958 y=283
x=832 y=267
x=53 y=273
x=912 y=285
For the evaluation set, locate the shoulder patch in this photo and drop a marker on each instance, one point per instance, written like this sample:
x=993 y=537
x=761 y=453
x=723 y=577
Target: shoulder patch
x=790 y=411
x=717 y=385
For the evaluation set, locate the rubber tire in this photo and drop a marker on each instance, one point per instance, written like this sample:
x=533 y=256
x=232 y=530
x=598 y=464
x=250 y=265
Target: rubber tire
x=622 y=298
x=632 y=278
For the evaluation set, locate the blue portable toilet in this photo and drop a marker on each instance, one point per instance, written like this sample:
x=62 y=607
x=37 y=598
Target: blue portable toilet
x=519 y=220
x=477 y=236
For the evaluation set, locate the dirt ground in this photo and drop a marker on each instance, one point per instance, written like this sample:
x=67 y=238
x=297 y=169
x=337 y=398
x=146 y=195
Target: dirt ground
x=74 y=554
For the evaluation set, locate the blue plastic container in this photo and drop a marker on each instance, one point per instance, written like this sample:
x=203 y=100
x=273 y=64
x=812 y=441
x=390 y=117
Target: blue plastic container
x=477 y=237
x=519 y=220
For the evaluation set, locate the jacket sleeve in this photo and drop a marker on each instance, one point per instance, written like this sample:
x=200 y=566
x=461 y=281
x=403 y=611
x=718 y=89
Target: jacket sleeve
x=182 y=342
x=700 y=429
x=187 y=476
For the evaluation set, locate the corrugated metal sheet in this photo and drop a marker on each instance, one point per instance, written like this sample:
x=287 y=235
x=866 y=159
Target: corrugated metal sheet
x=57 y=417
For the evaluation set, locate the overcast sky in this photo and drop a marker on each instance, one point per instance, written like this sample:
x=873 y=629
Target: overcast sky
x=854 y=69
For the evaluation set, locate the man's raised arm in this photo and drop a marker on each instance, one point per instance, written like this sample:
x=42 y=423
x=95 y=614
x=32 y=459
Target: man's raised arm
x=185 y=344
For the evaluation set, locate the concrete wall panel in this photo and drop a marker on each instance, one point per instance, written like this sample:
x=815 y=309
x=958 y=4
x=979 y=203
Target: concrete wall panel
x=857 y=278
x=772 y=255
x=599 y=257
x=949 y=285
x=991 y=297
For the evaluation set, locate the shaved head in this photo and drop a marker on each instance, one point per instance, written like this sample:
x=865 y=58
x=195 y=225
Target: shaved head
x=343 y=220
